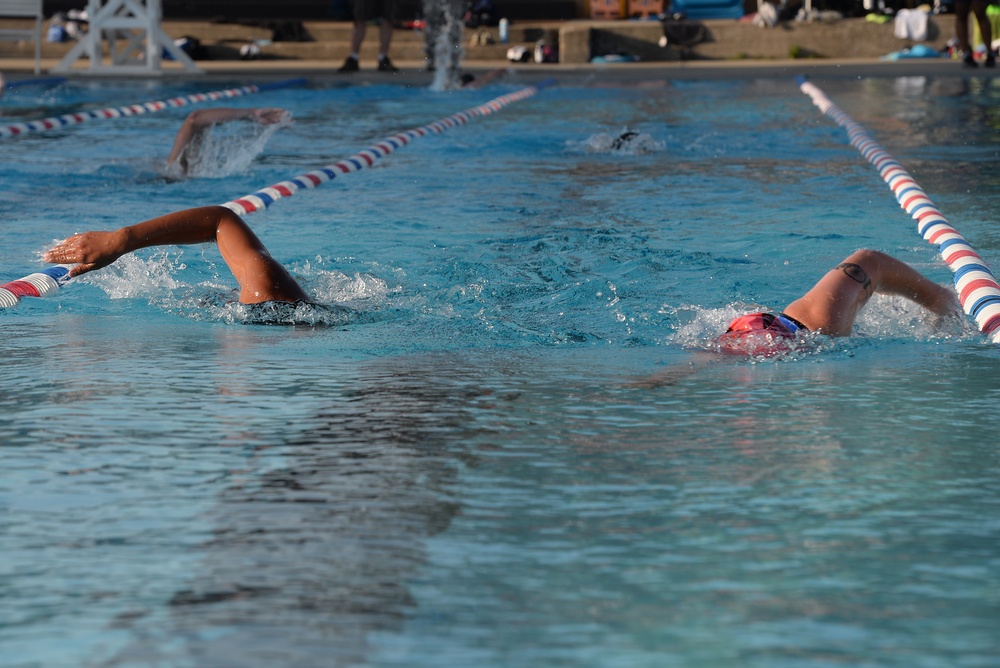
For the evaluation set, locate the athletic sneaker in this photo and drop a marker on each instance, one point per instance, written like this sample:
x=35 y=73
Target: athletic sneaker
x=969 y=61
x=350 y=65
x=385 y=65
x=991 y=60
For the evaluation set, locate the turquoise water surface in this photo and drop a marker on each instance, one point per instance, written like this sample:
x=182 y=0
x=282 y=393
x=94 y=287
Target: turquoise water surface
x=519 y=448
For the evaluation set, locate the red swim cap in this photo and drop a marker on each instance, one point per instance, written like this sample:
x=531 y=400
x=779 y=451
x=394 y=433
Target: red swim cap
x=757 y=334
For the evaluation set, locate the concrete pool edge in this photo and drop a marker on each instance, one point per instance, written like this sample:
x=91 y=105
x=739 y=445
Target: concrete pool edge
x=411 y=74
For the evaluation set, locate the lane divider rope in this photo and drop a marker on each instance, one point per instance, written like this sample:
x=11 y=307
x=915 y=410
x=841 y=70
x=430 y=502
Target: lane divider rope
x=265 y=197
x=49 y=280
x=40 y=284
x=978 y=289
x=55 y=122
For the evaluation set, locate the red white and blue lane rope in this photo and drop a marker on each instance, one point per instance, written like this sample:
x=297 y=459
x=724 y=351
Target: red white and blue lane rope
x=39 y=284
x=978 y=290
x=55 y=122
x=264 y=197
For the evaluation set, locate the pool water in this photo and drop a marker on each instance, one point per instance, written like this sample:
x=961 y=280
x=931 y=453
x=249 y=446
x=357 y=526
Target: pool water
x=519 y=447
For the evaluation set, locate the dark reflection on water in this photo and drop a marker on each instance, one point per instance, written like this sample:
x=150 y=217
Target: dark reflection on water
x=309 y=557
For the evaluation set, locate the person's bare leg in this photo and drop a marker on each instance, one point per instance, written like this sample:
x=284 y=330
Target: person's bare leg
x=385 y=36
x=985 y=29
x=357 y=36
x=962 y=26
x=832 y=305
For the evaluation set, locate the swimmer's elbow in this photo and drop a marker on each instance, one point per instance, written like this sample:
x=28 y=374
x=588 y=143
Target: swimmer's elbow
x=222 y=212
x=197 y=118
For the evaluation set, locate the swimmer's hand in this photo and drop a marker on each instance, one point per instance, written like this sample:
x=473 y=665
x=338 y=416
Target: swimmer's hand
x=952 y=320
x=945 y=304
x=90 y=250
x=948 y=310
x=272 y=115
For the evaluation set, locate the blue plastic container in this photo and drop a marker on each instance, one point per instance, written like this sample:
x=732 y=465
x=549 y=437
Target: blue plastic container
x=708 y=9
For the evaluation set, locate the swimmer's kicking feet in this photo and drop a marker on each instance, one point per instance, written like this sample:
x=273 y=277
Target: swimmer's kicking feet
x=261 y=277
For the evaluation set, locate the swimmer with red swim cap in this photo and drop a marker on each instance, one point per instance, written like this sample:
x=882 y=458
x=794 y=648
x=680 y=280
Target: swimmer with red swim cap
x=832 y=305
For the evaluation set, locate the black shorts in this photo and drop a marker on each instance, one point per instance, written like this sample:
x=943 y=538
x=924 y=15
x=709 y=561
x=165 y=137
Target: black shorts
x=369 y=10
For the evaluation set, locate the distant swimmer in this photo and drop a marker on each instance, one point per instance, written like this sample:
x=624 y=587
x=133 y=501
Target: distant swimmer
x=833 y=304
x=191 y=136
x=261 y=278
x=624 y=140
x=472 y=81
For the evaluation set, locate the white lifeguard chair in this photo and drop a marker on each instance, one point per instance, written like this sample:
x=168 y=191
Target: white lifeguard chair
x=135 y=40
x=30 y=9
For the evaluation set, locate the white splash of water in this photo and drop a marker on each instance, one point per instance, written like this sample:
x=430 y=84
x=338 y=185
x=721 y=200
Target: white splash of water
x=627 y=142
x=444 y=41
x=337 y=287
x=893 y=316
x=229 y=148
x=132 y=277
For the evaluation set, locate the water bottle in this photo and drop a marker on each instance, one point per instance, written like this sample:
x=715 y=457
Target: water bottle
x=504 y=31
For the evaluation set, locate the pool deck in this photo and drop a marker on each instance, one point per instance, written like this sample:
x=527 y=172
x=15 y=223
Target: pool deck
x=411 y=73
x=736 y=49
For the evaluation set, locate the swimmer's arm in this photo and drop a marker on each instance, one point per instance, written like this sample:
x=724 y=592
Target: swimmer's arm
x=261 y=278
x=488 y=77
x=200 y=119
x=96 y=249
x=832 y=305
x=898 y=278
x=264 y=115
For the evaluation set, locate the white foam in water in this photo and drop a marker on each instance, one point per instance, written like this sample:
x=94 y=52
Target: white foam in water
x=448 y=51
x=626 y=142
x=132 y=277
x=229 y=148
x=336 y=287
x=890 y=316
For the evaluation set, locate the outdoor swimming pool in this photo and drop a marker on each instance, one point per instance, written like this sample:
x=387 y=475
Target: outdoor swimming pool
x=474 y=469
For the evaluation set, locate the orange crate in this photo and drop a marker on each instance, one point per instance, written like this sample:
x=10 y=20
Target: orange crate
x=644 y=8
x=607 y=9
